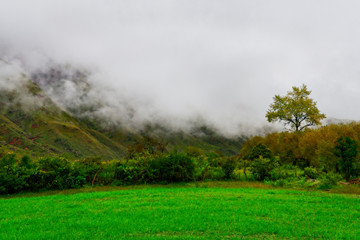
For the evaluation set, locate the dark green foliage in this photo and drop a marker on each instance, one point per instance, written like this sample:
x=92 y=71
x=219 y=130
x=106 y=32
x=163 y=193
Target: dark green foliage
x=163 y=168
x=135 y=169
x=209 y=167
x=261 y=168
x=311 y=172
x=88 y=168
x=8 y=160
x=201 y=167
x=281 y=172
x=228 y=167
x=174 y=167
x=57 y=173
x=328 y=180
x=105 y=175
x=127 y=172
x=346 y=149
x=54 y=173
x=11 y=179
x=25 y=162
x=260 y=150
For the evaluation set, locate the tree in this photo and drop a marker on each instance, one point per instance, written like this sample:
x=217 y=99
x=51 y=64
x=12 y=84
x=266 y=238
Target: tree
x=346 y=149
x=228 y=167
x=260 y=150
x=295 y=109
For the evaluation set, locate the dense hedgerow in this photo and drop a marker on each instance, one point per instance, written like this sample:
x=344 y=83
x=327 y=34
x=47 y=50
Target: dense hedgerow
x=53 y=173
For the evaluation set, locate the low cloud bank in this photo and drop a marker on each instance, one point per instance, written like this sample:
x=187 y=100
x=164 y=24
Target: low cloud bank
x=179 y=62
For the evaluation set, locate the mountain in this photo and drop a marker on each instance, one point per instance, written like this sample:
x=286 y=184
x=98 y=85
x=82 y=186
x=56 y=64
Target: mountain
x=34 y=123
x=329 y=121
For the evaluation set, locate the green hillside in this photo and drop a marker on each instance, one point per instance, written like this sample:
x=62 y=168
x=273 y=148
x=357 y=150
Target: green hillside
x=48 y=130
x=32 y=124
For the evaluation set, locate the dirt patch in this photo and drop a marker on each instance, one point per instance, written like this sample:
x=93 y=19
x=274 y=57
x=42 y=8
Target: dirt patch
x=355 y=181
x=15 y=141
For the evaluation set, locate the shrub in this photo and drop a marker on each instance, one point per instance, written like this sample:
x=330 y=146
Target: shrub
x=201 y=166
x=107 y=174
x=165 y=168
x=7 y=160
x=127 y=172
x=10 y=181
x=173 y=167
x=25 y=162
x=228 y=167
x=88 y=169
x=261 y=168
x=292 y=181
x=280 y=172
x=260 y=151
x=329 y=180
x=16 y=177
x=213 y=158
x=346 y=149
x=56 y=173
x=215 y=173
x=311 y=172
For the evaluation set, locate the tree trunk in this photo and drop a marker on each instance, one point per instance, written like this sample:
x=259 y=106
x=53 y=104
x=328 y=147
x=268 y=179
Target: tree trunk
x=245 y=172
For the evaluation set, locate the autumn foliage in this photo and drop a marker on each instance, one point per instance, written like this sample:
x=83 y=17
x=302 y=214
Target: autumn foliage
x=317 y=148
x=296 y=110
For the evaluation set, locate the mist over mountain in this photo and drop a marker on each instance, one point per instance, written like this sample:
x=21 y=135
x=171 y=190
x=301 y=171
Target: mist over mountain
x=78 y=92
x=181 y=64
x=52 y=111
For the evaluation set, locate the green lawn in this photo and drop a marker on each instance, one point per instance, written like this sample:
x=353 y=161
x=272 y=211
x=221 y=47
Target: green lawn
x=182 y=213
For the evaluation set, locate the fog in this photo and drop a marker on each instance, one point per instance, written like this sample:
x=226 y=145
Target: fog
x=181 y=61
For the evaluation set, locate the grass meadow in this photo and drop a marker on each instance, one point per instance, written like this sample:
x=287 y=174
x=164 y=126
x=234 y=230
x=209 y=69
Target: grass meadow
x=181 y=212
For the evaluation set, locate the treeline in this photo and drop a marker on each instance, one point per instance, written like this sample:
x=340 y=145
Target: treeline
x=327 y=151
x=317 y=158
x=52 y=173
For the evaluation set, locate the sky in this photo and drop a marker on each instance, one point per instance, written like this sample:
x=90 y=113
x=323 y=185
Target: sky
x=178 y=61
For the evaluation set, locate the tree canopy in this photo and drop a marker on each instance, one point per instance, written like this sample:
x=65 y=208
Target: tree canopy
x=296 y=110
x=346 y=149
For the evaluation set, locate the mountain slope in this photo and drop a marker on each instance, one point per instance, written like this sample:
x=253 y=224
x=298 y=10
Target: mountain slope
x=31 y=123
x=43 y=128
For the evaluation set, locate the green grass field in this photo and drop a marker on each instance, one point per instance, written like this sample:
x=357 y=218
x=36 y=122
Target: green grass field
x=182 y=213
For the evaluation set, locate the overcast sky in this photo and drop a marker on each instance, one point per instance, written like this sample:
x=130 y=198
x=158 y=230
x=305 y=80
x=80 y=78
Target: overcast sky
x=220 y=60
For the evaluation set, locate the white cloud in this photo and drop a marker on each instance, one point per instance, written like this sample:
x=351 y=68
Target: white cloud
x=222 y=60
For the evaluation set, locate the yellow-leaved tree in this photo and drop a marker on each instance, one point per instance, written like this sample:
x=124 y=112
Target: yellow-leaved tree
x=296 y=110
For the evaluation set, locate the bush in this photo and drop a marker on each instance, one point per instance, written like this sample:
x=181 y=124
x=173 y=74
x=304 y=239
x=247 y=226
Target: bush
x=228 y=167
x=127 y=172
x=261 y=168
x=173 y=167
x=201 y=166
x=10 y=179
x=293 y=181
x=311 y=172
x=281 y=172
x=215 y=173
x=17 y=176
x=260 y=151
x=88 y=169
x=107 y=174
x=346 y=149
x=329 y=180
x=148 y=168
x=56 y=173
x=213 y=158
x=8 y=160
